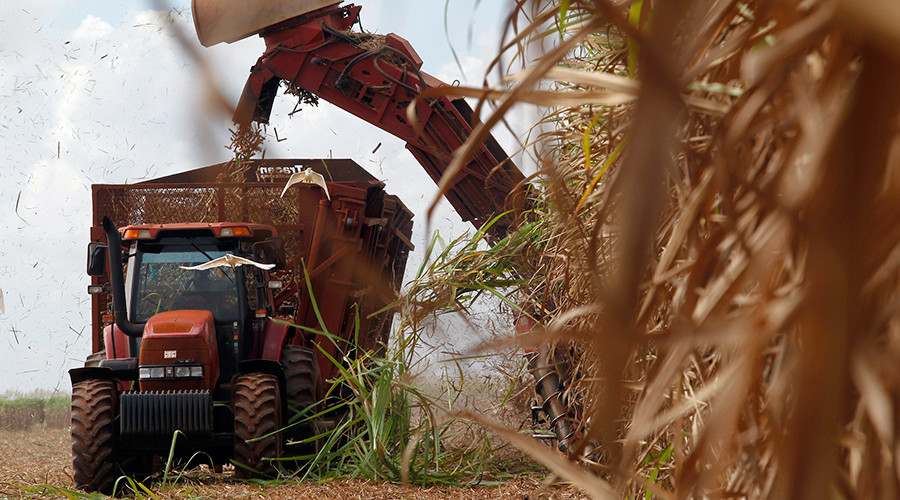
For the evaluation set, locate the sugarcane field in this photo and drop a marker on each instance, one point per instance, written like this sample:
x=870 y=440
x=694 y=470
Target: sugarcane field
x=523 y=249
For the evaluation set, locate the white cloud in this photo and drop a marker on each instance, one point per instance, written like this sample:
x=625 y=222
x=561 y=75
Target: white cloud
x=93 y=28
x=97 y=104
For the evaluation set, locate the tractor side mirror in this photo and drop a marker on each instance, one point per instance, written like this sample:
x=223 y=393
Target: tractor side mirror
x=271 y=251
x=96 y=259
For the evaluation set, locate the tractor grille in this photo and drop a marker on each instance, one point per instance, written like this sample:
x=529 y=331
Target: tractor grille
x=158 y=414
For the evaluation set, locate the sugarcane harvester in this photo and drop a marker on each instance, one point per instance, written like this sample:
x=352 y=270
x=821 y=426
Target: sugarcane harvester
x=375 y=78
x=216 y=329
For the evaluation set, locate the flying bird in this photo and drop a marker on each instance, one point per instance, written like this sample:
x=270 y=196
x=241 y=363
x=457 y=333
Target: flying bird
x=228 y=260
x=308 y=176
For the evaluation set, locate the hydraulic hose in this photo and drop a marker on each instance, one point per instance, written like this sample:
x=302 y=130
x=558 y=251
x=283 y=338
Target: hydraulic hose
x=117 y=281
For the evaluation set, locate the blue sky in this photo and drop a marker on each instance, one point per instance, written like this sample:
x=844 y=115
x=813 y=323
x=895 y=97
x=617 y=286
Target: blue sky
x=99 y=92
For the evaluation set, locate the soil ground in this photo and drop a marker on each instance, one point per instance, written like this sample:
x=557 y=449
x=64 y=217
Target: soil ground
x=34 y=463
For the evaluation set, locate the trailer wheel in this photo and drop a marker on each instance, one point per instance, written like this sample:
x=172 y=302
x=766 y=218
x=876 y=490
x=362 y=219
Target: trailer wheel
x=304 y=393
x=257 y=421
x=93 y=435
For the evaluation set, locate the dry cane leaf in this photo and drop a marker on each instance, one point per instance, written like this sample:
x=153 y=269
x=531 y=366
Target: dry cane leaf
x=594 y=486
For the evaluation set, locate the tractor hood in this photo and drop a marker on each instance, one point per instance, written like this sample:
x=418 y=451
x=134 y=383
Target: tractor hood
x=175 y=344
x=219 y=21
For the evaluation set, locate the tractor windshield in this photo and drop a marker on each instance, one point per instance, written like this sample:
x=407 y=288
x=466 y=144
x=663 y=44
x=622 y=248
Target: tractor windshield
x=162 y=283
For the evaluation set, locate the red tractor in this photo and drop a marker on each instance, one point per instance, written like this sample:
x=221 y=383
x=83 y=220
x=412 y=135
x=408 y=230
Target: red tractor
x=223 y=331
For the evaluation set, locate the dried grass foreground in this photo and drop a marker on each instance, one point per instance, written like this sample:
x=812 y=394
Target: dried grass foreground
x=716 y=240
x=37 y=465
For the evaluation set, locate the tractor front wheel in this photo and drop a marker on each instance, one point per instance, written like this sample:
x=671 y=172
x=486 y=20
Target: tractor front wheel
x=93 y=435
x=257 y=424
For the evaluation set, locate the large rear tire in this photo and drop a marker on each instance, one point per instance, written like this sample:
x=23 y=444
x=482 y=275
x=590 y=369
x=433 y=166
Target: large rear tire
x=95 y=358
x=304 y=395
x=303 y=384
x=257 y=425
x=93 y=435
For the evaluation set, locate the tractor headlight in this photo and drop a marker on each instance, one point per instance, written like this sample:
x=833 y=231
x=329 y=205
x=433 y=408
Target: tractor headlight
x=170 y=372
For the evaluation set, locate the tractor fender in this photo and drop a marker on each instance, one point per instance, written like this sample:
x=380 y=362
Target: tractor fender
x=91 y=373
x=274 y=336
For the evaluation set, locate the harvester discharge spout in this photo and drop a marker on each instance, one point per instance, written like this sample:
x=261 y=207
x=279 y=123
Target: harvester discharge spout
x=218 y=21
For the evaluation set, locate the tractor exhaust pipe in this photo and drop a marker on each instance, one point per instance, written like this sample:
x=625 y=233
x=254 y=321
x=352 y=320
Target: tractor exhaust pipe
x=117 y=281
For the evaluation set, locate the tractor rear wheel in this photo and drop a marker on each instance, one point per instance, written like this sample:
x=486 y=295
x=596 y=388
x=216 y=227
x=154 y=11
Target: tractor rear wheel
x=93 y=435
x=257 y=422
x=95 y=358
x=304 y=393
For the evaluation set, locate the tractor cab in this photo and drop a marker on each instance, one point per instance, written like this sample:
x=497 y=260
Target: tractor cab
x=194 y=296
x=168 y=275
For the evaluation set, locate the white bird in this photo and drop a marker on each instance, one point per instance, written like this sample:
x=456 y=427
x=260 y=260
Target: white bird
x=228 y=260
x=308 y=176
